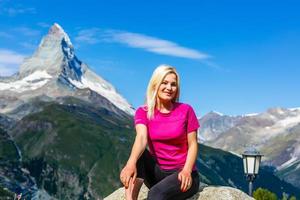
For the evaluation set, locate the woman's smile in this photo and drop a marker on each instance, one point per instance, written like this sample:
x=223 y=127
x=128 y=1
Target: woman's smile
x=168 y=88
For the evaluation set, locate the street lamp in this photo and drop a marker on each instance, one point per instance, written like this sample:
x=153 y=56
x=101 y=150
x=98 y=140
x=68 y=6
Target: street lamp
x=251 y=161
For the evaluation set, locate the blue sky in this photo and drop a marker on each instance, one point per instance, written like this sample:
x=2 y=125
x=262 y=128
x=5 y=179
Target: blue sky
x=234 y=57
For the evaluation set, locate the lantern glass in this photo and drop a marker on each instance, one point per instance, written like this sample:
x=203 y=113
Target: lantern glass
x=257 y=162
x=250 y=164
x=245 y=164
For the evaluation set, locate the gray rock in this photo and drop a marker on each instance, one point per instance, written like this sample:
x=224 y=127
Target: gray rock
x=207 y=193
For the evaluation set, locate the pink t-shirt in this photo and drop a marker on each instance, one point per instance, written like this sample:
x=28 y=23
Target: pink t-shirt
x=167 y=134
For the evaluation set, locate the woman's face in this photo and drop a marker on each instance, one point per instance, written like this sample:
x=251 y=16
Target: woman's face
x=168 y=88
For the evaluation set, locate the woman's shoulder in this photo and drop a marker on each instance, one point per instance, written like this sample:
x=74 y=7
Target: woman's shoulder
x=140 y=116
x=143 y=109
x=183 y=106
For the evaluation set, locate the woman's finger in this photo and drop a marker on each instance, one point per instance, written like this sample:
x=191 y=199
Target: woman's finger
x=182 y=182
x=122 y=177
x=187 y=184
x=122 y=180
x=127 y=178
x=134 y=177
x=130 y=185
x=179 y=177
x=184 y=185
x=190 y=184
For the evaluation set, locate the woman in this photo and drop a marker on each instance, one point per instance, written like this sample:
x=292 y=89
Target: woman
x=169 y=128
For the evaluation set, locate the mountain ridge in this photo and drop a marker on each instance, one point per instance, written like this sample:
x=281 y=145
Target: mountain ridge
x=275 y=133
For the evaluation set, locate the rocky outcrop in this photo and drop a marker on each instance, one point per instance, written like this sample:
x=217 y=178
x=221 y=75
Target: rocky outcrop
x=221 y=193
x=207 y=193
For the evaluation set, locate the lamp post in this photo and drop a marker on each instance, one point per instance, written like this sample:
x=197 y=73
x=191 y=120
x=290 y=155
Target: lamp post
x=251 y=161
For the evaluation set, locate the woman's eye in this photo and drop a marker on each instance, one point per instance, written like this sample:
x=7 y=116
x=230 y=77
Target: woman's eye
x=172 y=84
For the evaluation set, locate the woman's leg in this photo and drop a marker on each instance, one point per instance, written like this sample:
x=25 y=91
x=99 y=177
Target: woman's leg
x=169 y=188
x=145 y=173
x=132 y=192
x=190 y=192
x=146 y=169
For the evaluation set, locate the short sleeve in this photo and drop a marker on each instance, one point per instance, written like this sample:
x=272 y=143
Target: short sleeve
x=140 y=116
x=192 y=121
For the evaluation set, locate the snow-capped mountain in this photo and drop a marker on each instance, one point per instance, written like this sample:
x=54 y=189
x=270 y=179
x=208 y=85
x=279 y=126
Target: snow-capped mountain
x=258 y=128
x=54 y=71
x=276 y=134
x=214 y=123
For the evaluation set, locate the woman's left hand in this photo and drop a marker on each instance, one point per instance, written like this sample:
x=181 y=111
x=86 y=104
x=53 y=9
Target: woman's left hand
x=185 y=178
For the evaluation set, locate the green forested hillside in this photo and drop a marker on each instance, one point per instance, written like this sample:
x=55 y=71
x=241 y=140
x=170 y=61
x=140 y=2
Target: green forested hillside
x=7 y=148
x=74 y=149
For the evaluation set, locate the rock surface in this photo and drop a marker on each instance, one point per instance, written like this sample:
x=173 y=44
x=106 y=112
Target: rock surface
x=208 y=193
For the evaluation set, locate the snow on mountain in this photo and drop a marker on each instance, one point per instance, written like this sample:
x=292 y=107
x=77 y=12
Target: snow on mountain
x=94 y=82
x=218 y=113
x=289 y=121
x=294 y=109
x=31 y=82
x=53 y=67
x=250 y=114
x=288 y=163
x=274 y=121
x=275 y=127
x=280 y=120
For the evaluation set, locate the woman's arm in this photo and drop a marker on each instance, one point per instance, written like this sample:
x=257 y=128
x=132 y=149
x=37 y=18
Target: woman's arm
x=192 y=151
x=185 y=175
x=140 y=143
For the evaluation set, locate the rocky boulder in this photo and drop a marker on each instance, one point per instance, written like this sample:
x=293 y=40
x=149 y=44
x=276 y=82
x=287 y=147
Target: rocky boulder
x=207 y=193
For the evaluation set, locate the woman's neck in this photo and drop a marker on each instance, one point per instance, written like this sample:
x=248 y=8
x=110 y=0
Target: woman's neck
x=165 y=107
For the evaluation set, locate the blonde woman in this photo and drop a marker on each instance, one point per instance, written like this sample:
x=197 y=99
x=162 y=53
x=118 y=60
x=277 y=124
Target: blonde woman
x=169 y=128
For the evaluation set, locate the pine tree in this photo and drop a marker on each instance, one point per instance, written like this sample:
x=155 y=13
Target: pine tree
x=264 y=194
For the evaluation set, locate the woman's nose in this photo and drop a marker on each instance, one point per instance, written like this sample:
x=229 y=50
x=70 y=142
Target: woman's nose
x=169 y=87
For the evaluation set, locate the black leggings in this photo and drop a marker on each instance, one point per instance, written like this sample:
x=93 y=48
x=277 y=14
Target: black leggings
x=163 y=185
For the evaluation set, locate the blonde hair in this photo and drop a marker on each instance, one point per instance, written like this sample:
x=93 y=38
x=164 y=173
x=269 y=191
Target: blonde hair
x=157 y=78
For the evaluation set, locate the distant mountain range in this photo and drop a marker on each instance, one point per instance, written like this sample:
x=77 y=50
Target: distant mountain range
x=275 y=133
x=65 y=132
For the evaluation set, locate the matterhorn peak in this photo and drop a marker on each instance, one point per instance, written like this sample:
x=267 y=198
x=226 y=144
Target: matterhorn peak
x=54 y=70
x=57 y=31
x=54 y=52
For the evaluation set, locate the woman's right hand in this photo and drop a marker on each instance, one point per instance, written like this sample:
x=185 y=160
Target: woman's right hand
x=128 y=172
